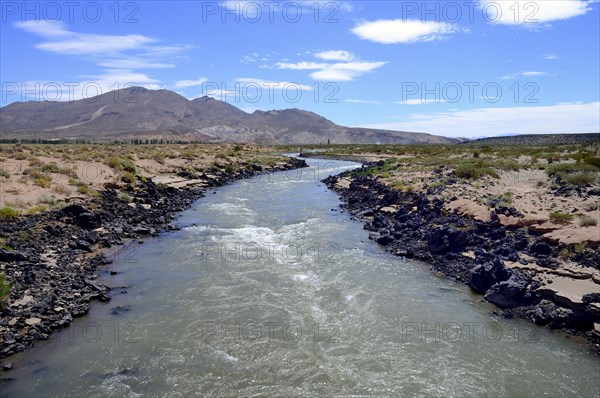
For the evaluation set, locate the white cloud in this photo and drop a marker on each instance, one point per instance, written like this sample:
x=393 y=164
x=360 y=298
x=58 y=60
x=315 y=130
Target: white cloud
x=119 y=55
x=123 y=76
x=553 y=119
x=531 y=13
x=304 y=65
x=272 y=85
x=345 y=71
x=551 y=56
x=524 y=74
x=335 y=55
x=191 y=83
x=62 y=41
x=134 y=63
x=393 y=31
x=44 y=28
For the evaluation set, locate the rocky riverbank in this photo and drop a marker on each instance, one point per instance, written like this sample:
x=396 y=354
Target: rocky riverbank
x=52 y=259
x=514 y=267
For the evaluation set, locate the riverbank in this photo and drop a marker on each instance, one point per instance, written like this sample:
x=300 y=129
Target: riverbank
x=526 y=264
x=51 y=256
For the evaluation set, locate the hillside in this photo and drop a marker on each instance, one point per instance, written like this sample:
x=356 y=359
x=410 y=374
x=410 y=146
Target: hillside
x=149 y=114
x=539 y=139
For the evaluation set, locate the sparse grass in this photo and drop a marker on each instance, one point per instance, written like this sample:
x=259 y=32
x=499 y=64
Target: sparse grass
x=592 y=161
x=473 y=171
x=580 y=247
x=128 y=178
x=83 y=189
x=50 y=201
x=124 y=197
x=50 y=168
x=587 y=221
x=36 y=209
x=503 y=200
x=5 y=288
x=560 y=217
x=580 y=179
x=4 y=246
x=7 y=213
x=61 y=190
x=121 y=164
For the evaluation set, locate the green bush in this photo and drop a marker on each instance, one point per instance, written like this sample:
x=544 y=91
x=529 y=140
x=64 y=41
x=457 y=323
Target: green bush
x=579 y=179
x=471 y=171
x=559 y=217
x=51 y=168
x=592 y=161
x=7 y=213
x=128 y=177
x=83 y=189
x=36 y=209
x=567 y=168
x=121 y=164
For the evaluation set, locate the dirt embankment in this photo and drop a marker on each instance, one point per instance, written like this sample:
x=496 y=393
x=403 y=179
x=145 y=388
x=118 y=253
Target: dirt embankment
x=515 y=261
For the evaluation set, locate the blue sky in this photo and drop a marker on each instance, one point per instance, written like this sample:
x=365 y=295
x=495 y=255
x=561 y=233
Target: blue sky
x=455 y=68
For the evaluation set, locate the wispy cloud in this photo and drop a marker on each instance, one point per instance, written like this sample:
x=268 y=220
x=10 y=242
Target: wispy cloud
x=272 y=85
x=335 y=71
x=304 y=65
x=551 y=56
x=191 y=83
x=524 y=74
x=335 y=55
x=134 y=63
x=345 y=71
x=559 y=118
x=120 y=57
x=62 y=41
x=394 y=31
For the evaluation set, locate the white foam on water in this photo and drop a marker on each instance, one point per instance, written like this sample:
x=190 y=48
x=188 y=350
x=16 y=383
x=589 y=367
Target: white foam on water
x=300 y=277
x=231 y=209
x=116 y=386
x=229 y=358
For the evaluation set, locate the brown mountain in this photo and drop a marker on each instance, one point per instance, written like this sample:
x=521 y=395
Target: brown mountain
x=140 y=113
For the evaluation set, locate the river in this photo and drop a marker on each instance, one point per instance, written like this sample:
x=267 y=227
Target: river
x=269 y=290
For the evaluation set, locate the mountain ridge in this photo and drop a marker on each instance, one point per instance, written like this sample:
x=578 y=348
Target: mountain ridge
x=138 y=113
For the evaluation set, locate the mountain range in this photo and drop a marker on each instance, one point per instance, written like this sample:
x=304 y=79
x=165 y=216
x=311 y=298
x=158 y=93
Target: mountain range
x=139 y=113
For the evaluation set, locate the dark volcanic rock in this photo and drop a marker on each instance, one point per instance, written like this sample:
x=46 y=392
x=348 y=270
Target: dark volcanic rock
x=484 y=276
x=509 y=293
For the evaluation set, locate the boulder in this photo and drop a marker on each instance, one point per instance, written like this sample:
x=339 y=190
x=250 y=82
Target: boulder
x=509 y=293
x=485 y=275
x=8 y=256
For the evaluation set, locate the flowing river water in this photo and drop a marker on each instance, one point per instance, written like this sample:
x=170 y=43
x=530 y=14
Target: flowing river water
x=268 y=290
